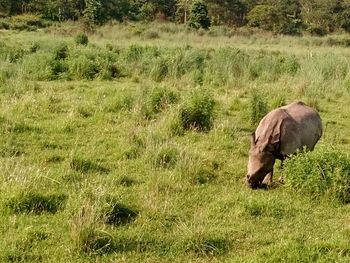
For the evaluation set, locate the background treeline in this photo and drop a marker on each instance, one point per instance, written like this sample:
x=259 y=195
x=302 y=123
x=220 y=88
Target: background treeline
x=280 y=16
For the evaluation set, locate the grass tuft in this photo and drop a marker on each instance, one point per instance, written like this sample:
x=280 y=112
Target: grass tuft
x=197 y=111
x=119 y=214
x=37 y=203
x=319 y=173
x=86 y=166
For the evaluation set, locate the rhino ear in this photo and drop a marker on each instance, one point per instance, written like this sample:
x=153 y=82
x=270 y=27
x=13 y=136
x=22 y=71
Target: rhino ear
x=252 y=139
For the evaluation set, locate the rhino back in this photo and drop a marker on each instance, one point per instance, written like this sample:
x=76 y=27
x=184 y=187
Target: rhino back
x=302 y=128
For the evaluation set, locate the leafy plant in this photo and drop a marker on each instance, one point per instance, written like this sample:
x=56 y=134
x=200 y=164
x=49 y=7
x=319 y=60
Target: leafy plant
x=199 y=17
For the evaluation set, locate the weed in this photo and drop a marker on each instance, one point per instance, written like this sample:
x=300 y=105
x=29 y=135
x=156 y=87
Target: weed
x=158 y=100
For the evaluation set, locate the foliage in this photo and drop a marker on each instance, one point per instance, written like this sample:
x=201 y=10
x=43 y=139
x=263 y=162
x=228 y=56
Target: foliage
x=279 y=16
x=82 y=39
x=199 y=17
x=319 y=173
x=197 y=111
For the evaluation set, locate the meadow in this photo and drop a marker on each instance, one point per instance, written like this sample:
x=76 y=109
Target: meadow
x=131 y=145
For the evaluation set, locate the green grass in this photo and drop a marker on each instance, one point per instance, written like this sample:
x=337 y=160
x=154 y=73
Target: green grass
x=133 y=148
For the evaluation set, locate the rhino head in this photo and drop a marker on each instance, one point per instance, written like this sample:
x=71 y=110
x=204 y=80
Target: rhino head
x=260 y=163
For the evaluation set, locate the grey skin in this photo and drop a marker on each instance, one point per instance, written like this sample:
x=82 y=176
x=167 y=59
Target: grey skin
x=279 y=134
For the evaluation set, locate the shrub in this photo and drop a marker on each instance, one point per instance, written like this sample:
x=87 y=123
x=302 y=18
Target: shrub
x=319 y=173
x=4 y=24
x=34 y=47
x=83 y=67
x=43 y=66
x=26 y=22
x=257 y=107
x=60 y=51
x=158 y=100
x=37 y=203
x=197 y=111
x=82 y=39
x=199 y=17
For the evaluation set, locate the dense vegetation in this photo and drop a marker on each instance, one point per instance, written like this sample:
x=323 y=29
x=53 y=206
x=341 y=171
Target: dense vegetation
x=317 y=17
x=130 y=144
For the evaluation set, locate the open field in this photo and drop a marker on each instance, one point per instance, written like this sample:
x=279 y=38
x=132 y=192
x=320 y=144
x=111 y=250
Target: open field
x=100 y=162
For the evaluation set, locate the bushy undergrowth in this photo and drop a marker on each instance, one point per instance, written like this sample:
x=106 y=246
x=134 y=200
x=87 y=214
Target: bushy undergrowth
x=28 y=22
x=319 y=173
x=221 y=66
x=157 y=100
x=197 y=111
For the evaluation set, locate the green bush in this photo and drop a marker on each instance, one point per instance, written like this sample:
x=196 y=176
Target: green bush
x=86 y=63
x=83 y=67
x=82 y=39
x=197 y=111
x=26 y=22
x=319 y=173
x=43 y=66
x=157 y=100
x=199 y=17
x=60 y=51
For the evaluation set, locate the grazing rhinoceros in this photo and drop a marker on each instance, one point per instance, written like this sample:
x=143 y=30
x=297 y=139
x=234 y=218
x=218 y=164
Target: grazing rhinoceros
x=280 y=133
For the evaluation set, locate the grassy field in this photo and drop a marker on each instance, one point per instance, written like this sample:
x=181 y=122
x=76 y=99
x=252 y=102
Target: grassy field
x=133 y=147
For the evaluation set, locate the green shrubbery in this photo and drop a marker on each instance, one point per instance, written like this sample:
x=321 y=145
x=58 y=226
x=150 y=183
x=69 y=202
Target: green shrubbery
x=82 y=39
x=23 y=22
x=197 y=111
x=319 y=173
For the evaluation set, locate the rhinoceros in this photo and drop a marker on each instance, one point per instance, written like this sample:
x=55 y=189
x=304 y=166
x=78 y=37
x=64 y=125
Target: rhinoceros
x=280 y=134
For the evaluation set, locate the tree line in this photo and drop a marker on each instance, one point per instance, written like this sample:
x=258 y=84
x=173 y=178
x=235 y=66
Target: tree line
x=280 y=16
